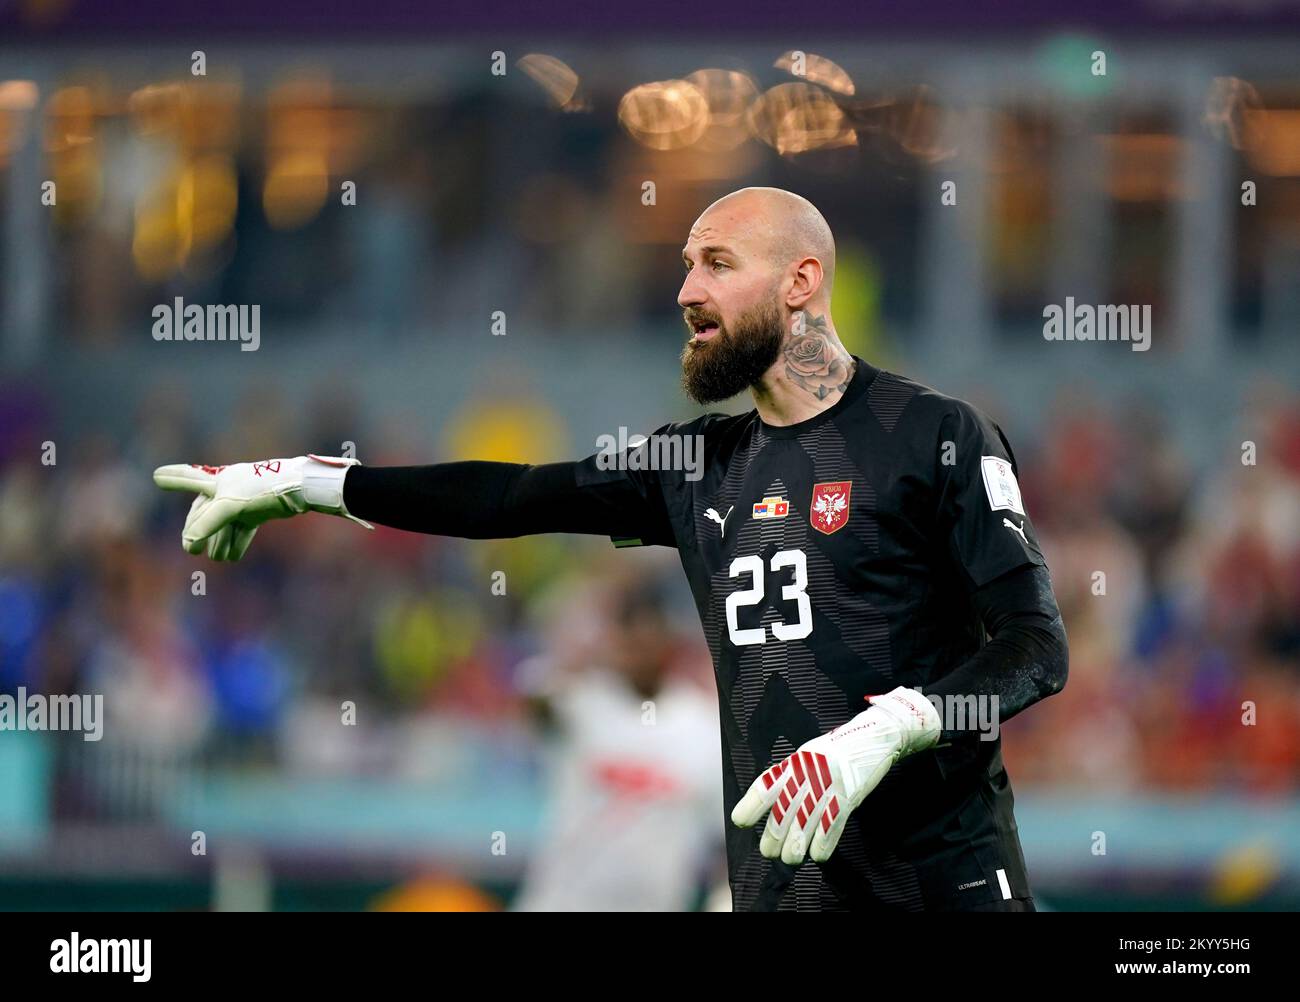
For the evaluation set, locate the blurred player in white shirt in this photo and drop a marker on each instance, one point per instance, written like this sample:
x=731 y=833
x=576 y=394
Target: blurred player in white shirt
x=635 y=819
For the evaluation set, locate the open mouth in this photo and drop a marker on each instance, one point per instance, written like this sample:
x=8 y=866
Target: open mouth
x=704 y=329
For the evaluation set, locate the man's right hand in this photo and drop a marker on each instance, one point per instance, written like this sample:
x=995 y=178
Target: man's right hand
x=234 y=500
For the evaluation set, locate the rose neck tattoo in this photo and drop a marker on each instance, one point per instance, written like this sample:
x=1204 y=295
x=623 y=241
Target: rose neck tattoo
x=815 y=360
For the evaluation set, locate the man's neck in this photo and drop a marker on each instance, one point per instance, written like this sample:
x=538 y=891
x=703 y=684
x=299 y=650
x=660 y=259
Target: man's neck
x=811 y=375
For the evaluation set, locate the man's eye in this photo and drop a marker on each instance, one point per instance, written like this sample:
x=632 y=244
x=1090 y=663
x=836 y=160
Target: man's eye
x=718 y=263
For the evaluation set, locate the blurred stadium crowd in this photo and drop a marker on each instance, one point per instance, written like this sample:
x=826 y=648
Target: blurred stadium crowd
x=1198 y=610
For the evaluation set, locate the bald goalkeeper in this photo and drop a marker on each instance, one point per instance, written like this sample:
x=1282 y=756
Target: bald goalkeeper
x=869 y=583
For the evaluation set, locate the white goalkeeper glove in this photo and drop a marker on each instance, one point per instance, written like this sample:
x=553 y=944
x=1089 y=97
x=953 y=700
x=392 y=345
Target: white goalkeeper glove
x=811 y=793
x=234 y=500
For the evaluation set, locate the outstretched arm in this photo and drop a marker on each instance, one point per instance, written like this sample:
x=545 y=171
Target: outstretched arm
x=474 y=500
x=481 y=500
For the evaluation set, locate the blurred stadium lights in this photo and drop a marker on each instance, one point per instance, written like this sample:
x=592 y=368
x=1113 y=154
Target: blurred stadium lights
x=665 y=114
x=308 y=138
x=799 y=117
x=1276 y=148
x=915 y=120
x=729 y=94
x=816 y=69
x=17 y=97
x=296 y=187
x=556 y=78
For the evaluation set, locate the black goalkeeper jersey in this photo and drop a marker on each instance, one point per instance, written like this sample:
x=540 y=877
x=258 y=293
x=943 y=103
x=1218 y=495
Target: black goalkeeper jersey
x=830 y=560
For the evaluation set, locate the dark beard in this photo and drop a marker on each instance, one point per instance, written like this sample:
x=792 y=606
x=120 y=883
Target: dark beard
x=733 y=360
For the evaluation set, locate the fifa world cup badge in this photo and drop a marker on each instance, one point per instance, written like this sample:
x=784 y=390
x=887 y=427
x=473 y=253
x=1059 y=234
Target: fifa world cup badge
x=829 y=509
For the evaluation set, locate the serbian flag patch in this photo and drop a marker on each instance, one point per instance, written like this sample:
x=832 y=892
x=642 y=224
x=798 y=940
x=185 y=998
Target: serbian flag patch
x=773 y=507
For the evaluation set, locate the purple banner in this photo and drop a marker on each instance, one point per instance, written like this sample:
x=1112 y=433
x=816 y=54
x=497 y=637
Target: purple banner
x=92 y=20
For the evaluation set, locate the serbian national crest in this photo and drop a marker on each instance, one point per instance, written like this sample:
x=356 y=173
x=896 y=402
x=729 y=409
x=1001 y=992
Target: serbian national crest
x=830 y=506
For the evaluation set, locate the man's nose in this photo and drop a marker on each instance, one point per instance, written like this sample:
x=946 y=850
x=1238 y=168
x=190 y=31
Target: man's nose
x=691 y=293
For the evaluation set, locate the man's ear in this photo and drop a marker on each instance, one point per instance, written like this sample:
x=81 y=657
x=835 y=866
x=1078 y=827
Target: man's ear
x=805 y=284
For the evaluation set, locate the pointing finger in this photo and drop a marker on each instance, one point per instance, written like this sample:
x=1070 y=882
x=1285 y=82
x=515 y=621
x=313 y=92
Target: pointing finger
x=186 y=477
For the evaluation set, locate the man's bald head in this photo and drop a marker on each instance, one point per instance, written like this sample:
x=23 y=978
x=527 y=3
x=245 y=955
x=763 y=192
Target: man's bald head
x=754 y=260
x=783 y=227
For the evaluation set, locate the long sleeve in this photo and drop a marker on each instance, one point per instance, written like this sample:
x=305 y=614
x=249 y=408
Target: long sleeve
x=482 y=500
x=1027 y=657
